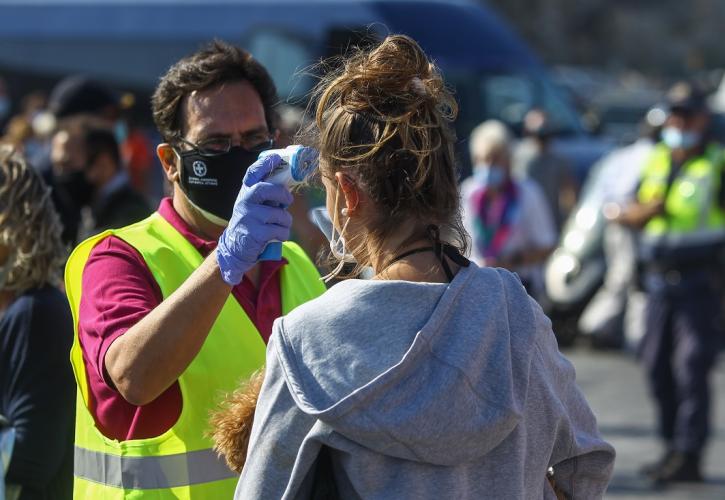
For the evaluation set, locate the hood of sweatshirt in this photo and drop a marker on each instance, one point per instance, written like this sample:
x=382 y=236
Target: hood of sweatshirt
x=435 y=373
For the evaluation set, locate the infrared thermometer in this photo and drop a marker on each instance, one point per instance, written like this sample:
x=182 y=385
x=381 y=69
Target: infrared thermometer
x=298 y=162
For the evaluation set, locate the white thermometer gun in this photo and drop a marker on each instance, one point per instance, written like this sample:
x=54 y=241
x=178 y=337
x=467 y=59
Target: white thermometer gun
x=298 y=162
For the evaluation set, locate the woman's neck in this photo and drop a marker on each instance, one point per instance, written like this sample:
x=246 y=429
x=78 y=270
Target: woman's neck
x=393 y=246
x=417 y=267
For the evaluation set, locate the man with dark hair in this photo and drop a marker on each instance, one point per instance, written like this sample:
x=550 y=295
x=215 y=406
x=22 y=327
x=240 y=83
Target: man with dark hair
x=215 y=64
x=535 y=160
x=88 y=173
x=174 y=311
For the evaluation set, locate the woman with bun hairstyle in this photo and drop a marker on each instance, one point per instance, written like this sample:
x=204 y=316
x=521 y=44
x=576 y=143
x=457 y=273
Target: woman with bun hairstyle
x=436 y=378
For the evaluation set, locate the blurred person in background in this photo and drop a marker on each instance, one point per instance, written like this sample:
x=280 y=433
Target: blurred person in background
x=679 y=213
x=37 y=392
x=73 y=96
x=174 y=310
x=89 y=173
x=18 y=131
x=79 y=94
x=139 y=157
x=26 y=131
x=534 y=160
x=508 y=220
x=436 y=378
x=604 y=317
x=33 y=107
x=137 y=142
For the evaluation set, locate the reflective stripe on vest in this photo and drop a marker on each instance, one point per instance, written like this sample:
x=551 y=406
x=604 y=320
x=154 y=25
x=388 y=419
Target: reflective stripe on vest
x=148 y=473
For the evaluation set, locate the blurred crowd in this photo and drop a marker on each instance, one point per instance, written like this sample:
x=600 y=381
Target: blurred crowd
x=659 y=203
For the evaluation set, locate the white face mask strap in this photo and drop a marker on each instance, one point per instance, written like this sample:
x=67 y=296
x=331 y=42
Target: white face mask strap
x=333 y=244
x=326 y=278
x=333 y=240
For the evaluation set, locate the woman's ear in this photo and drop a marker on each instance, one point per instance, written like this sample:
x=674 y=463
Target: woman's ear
x=168 y=158
x=351 y=193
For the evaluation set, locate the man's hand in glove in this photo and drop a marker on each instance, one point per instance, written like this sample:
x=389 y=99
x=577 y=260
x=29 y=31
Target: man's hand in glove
x=259 y=217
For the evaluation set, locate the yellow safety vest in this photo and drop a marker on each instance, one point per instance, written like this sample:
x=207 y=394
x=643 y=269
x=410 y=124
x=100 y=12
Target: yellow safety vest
x=180 y=463
x=693 y=213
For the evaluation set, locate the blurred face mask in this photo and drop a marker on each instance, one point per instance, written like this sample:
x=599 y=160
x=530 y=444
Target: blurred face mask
x=212 y=183
x=490 y=175
x=675 y=138
x=76 y=186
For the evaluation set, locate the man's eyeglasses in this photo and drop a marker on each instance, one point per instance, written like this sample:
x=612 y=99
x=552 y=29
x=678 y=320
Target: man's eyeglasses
x=221 y=145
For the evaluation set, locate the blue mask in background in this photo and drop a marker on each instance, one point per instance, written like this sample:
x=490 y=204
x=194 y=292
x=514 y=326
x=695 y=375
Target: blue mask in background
x=674 y=138
x=490 y=175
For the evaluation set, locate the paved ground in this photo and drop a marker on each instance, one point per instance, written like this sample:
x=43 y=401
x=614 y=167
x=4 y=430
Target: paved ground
x=614 y=386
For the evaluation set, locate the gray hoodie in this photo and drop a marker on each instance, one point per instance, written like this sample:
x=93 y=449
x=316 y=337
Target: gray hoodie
x=423 y=390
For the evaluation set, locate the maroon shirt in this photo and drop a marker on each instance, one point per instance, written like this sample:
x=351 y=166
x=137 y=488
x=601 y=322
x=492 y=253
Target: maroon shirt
x=119 y=290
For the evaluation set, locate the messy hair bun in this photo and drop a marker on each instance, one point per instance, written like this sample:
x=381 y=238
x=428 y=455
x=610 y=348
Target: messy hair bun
x=385 y=115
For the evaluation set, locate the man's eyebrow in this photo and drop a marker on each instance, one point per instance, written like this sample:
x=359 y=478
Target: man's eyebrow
x=213 y=135
x=222 y=135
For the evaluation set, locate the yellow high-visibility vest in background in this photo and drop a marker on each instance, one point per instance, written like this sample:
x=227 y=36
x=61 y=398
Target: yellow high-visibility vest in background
x=693 y=212
x=180 y=463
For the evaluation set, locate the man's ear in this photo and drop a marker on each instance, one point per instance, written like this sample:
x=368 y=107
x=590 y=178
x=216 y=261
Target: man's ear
x=350 y=191
x=168 y=158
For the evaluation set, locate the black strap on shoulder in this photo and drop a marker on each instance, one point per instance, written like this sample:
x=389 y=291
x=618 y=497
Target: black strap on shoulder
x=453 y=254
x=443 y=250
x=440 y=249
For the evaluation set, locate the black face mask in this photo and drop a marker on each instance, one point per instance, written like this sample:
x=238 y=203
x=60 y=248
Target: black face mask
x=212 y=183
x=75 y=187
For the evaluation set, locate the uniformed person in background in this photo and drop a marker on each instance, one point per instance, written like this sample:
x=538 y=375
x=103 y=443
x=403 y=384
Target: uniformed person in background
x=679 y=211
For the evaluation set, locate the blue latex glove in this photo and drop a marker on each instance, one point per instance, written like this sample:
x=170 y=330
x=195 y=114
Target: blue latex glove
x=258 y=218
